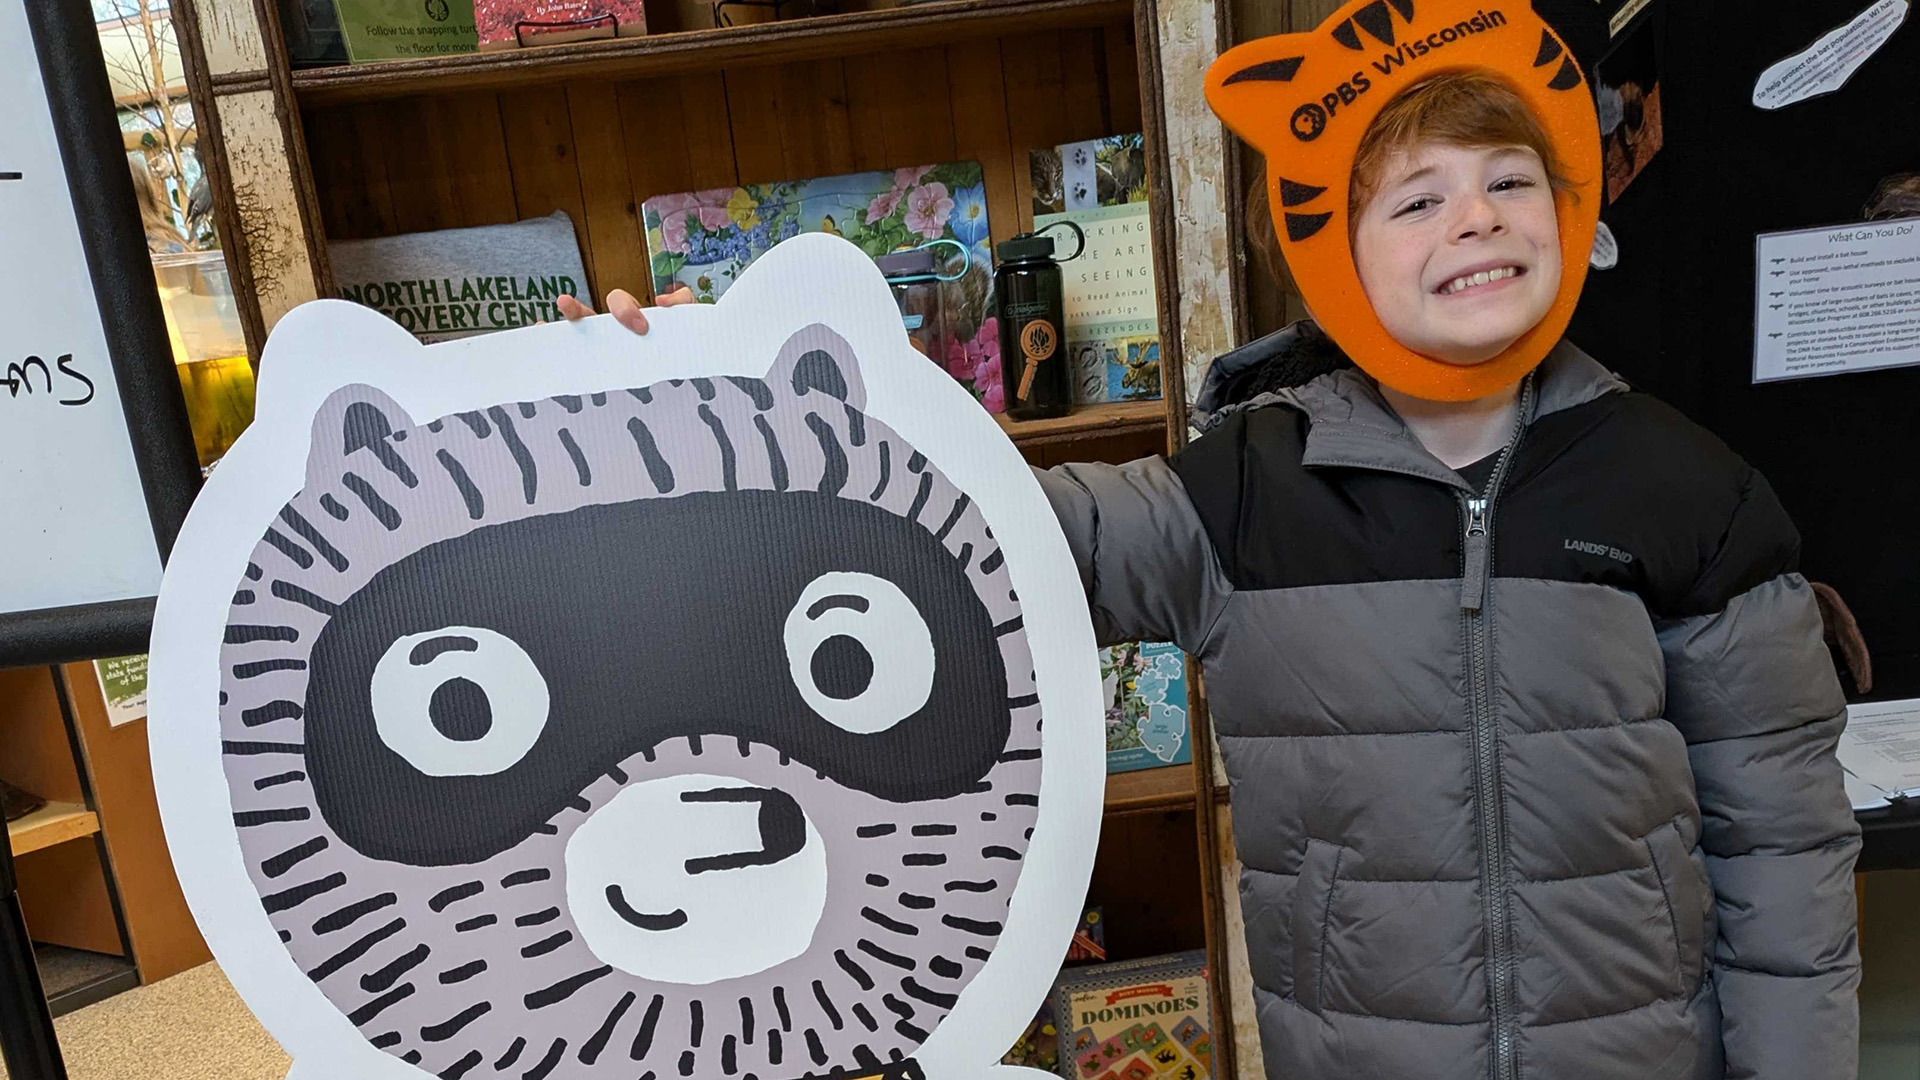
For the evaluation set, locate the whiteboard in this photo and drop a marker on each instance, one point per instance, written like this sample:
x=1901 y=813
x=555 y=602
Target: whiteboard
x=74 y=528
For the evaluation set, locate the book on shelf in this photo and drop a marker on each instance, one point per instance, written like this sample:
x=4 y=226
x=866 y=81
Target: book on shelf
x=1137 y=1020
x=1145 y=689
x=705 y=239
x=510 y=24
x=406 y=29
x=1112 y=314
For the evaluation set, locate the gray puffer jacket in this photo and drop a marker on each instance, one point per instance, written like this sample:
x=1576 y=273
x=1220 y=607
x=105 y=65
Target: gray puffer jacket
x=1537 y=785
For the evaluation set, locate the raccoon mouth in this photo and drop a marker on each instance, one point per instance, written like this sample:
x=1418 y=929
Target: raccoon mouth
x=672 y=920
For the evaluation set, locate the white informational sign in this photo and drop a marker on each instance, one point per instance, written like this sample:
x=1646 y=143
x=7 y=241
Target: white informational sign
x=75 y=528
x=565 y=699
x=1839 y=299
x=1827 y=64
x=1880 y=750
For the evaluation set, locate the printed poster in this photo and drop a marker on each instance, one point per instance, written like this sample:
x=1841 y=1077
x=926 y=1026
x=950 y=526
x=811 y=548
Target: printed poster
x=1838 y=299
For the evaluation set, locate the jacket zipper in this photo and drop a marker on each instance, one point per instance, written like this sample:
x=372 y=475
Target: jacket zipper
x=1478 y=559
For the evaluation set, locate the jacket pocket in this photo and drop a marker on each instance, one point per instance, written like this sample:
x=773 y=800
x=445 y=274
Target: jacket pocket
x=1312 y=903
x=1688 y=898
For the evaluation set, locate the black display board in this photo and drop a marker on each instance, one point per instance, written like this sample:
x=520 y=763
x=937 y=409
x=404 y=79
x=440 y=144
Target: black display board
x=1676 y=315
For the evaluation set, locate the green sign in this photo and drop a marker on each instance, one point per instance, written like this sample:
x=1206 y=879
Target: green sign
x=404 y=29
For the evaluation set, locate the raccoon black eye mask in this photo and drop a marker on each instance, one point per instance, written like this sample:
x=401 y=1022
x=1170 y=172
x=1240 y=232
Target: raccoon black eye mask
x=683 y=730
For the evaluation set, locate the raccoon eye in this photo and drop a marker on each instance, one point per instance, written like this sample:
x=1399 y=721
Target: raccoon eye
x=859 y=652
x=460 y=701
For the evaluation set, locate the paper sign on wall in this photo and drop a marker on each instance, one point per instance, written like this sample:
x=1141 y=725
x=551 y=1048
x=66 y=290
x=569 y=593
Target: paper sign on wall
x=1834 y=300
x=123 y=687
x=1827 y=64
x=576 y=704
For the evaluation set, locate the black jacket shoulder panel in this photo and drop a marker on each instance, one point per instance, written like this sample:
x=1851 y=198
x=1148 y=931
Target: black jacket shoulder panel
x=1626 y=491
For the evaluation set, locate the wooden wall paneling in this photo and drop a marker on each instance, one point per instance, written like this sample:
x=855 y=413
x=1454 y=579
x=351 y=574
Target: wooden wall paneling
x=543 y=160
x=159 y=924
x=419 y=180
x=901 y=107
x=474 y=147
x=63 y=893
x=350 y=172
x=677 y=139
x=1123 y=77
x=612 y=217
x=1143 y=882
x=1083 y=60
x=977 y=90
x=267 y=201
x=813 y=119
x=1036 y=109
x=35 y=753
x=753 y=98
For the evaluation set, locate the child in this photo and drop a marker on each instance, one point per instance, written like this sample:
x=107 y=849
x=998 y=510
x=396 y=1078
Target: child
x=1526 y=713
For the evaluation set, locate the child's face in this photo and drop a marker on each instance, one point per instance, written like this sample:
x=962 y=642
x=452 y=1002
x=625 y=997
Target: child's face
x=1459 y=249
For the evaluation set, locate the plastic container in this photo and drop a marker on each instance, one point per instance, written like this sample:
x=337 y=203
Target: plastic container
x=209 y=348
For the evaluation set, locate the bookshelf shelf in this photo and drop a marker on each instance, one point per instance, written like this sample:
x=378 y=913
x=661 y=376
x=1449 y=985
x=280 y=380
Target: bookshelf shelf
x=700 y=51
x=1088 y=422
x=54 y=823
x=1147 y=790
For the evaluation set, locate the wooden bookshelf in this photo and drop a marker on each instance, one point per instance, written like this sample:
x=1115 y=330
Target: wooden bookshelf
x=699 y=51
x=54 y=823
x=1088 y=422
x=1145 y=790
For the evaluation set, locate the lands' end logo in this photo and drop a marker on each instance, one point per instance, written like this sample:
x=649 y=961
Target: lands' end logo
x=1310 y=119
x=1588 y=547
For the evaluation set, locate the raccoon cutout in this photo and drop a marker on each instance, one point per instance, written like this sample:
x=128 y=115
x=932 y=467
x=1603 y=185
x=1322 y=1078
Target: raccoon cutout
x=684 y=728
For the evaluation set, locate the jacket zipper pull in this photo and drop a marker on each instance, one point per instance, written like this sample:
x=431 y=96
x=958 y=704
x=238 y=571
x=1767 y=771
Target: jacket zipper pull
x=1473 y=585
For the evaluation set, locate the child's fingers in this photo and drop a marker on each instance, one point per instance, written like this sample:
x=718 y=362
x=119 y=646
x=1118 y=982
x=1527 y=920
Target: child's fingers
x=571 y=308
x=622 y=306
x=681 y=295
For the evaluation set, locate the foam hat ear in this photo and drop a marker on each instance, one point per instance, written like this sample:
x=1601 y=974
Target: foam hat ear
x=1306 y=100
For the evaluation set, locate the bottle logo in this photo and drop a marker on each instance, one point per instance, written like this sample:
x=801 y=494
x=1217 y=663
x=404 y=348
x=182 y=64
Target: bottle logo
x=1038 y=340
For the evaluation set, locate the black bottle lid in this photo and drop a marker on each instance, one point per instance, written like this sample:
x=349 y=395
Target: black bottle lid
x=1026 y=247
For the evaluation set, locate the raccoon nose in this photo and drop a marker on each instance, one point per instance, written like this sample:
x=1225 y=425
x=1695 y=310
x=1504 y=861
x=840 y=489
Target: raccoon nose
x=783 y=827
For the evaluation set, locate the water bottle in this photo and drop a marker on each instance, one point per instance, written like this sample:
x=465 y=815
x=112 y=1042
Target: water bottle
x=1033 y=354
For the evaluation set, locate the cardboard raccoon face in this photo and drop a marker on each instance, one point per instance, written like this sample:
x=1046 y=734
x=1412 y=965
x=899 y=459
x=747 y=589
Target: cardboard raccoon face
x=1306 y=100
x=689 y=727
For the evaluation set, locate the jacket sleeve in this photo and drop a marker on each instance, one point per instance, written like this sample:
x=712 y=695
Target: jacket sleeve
x=1752 y=688
x=1144 y=557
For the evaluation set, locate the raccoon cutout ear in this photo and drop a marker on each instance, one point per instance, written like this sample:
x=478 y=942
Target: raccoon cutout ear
x=817 y=360
x=354 y=418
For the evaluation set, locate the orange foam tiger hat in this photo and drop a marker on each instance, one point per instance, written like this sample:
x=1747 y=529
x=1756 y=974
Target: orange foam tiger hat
x=1305 y=101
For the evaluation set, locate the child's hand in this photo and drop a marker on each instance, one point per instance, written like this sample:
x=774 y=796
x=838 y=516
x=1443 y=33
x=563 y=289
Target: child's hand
x=622 y=306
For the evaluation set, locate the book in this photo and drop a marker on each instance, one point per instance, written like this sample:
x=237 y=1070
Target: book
x=1145 y=688
x=704 y=239
x=406 y=29
x=1138 y=1020
x=1112 y=313
x=510 y=24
